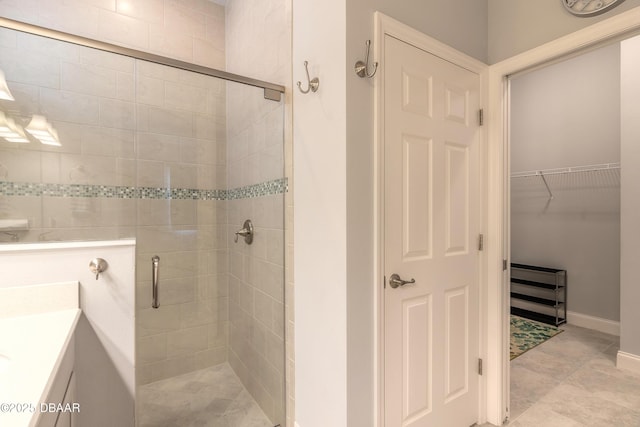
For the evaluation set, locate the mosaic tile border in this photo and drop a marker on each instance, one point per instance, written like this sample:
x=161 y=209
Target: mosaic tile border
x=28 y=189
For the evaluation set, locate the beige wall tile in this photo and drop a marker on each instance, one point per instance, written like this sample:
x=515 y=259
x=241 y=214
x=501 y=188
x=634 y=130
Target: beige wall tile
x=150 y=174
x=186 y=342
x=183 y=20
x=151 y=11
x=123 y=30
x=23 y=10
x=168 y=368
x=30 y=68
x=185 y=97
x=202 y=312
x=263 y=308
x=87 y=79
x=20 y=207
x=218 y=334
x=125 y=87
x=207 y=54
x=165 y=121
x=149 y=90
x=172 y=44
x=151 y=349
x=117 y=114
x=154 y=146
x=88 y=56
x=70 y=16
x=20 y=165
x=70 y=107
x=211 y=357
x=150 y=321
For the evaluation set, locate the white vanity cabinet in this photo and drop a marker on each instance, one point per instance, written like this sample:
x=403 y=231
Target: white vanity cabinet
x=57 y=404
x=66 y=419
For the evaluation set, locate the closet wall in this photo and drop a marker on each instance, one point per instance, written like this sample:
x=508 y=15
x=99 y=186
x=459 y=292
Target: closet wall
x=565 y=115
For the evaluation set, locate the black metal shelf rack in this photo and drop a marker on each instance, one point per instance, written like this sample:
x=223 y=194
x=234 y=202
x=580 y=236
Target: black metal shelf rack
x=543 y=291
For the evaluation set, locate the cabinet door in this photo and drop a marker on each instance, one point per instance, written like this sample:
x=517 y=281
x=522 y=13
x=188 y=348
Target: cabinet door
x=66 y=419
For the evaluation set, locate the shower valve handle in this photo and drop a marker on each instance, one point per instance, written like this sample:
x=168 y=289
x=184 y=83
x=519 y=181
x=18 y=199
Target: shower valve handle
x=246 y=232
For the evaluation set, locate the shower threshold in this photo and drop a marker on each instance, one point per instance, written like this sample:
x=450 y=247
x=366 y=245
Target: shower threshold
x=212 y=397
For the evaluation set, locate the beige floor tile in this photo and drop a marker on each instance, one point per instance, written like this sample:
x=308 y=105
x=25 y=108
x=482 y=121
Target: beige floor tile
x=211 y=397
x=571 y=380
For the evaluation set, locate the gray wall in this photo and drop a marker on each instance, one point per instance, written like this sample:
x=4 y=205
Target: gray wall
x=517 y=26
x=559 y=120
x=433 y=18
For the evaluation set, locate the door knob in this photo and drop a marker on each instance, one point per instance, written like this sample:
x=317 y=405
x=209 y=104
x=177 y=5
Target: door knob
x=395 y=281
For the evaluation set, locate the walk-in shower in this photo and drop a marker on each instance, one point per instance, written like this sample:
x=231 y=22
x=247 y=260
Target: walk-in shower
x=178 y=157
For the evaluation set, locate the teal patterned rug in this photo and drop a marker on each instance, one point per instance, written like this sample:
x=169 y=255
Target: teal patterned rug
x=526 y=334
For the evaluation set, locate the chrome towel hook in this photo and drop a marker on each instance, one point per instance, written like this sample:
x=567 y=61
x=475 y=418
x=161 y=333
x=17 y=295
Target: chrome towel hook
x=313 y=83
x=362 y=68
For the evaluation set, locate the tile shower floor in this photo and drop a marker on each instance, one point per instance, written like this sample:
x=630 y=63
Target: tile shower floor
x=211 y=397
x=571 y=381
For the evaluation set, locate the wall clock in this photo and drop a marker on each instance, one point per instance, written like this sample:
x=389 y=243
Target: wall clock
x=589 y=7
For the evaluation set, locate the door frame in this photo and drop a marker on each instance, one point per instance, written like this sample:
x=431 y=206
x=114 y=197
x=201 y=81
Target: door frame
x=498 y=236
x=385 y=25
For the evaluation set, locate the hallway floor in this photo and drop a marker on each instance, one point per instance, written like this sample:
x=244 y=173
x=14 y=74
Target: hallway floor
x=211 y=397
x=571 y=381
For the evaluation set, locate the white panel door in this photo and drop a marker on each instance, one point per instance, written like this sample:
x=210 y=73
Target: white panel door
x=431 y=226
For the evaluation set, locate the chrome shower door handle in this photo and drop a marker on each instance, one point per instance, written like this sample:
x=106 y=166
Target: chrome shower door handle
x=155 y=272
x=395 y=281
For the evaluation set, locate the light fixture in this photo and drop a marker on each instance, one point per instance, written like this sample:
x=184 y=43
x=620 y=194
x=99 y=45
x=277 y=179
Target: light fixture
x=41 y=129
x=5 y=93
x=10 y=130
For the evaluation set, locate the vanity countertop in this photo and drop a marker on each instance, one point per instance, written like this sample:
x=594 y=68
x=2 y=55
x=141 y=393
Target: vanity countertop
x=33 y=347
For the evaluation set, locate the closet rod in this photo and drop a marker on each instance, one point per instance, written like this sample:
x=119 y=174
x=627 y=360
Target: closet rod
x=572 y=169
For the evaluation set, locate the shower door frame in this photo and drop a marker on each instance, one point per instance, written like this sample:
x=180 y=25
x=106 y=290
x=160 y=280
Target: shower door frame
x=272 y=91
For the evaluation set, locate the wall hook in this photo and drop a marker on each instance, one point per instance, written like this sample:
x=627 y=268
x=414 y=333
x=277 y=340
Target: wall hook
x=313 y=83
x=362 y=67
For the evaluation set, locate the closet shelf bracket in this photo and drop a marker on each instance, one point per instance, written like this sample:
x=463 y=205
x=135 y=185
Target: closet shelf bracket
x=546 y=185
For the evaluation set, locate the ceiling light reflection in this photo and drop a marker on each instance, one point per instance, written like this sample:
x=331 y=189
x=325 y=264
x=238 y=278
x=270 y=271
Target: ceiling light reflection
x=41 y=129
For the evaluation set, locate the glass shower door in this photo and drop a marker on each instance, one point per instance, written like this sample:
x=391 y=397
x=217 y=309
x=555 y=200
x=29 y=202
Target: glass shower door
x=178 y=160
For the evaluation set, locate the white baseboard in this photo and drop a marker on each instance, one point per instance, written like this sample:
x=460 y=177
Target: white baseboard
x=596 y=323
x=628 y=361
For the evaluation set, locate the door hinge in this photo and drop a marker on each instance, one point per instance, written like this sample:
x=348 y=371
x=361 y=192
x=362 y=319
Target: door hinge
x=504 y=265
x=384 y=282
x=479 y=366
x=481 y=242
x=481 y=117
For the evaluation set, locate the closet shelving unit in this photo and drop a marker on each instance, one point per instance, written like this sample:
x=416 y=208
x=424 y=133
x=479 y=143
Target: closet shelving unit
x=595 y=171
x=543 y=289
